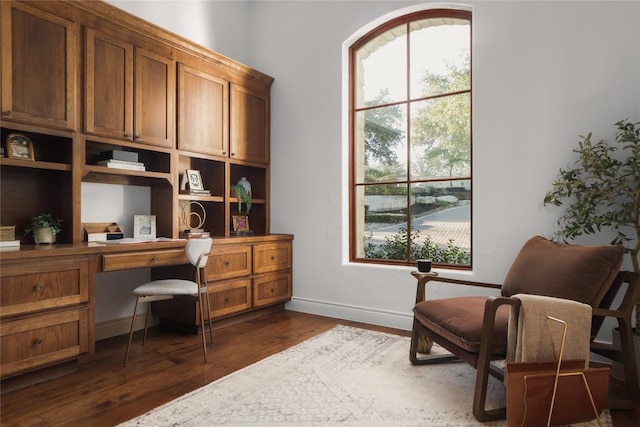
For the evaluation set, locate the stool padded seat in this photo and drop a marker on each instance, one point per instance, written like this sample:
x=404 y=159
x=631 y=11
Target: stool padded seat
x=167 y=287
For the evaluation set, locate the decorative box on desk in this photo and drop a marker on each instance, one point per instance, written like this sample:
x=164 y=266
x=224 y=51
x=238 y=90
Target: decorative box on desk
x=102 y=231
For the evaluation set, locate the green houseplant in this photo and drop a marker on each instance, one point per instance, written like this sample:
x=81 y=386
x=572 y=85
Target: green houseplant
x=243 y=196
x=44 y=228
x=602 y=192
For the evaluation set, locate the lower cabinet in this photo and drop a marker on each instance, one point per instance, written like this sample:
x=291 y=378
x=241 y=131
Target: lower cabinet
x=241 y=278
x=44 y=313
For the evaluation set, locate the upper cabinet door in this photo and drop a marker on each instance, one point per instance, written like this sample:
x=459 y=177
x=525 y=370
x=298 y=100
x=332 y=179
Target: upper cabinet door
x=38 y=67
x=249 y=125
x=203 y=112
x=155 y=88
x=109 y=86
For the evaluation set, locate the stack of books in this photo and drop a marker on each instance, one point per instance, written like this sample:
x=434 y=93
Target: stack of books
x=119 y=159
x=194 y=233
x=8 y=237
x=196 y=192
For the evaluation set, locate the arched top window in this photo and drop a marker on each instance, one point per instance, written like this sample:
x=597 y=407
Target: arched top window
x=410 y=140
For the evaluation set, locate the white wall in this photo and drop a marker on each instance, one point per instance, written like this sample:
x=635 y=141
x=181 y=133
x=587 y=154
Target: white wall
x=543 y=73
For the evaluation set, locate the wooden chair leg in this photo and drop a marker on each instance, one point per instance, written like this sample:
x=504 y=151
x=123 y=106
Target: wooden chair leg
x=133 y=320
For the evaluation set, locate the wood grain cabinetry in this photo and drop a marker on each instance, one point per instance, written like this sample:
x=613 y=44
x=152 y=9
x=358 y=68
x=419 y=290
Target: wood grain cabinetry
x=39 y=62
x=241 y=278
x=81 y=78
x=129 y=91
x=115 y=82
x=249 y=125
x=200 y=95
x=44 y=313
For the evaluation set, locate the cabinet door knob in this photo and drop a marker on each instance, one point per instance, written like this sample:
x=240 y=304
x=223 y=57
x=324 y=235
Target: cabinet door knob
x=228 y=299
x=227 y=264
x=137 y=137
x=7 y=113
x=154 y=259
x=37 y=341
x=127 y=135
x=38 y=287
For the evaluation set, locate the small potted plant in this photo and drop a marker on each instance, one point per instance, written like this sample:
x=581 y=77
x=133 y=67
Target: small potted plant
x=243 y=192
x=44 y=228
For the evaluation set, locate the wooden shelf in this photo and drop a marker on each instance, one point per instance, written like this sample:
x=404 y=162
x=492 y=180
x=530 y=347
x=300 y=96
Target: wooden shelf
x=188 y=197
x=35 y=164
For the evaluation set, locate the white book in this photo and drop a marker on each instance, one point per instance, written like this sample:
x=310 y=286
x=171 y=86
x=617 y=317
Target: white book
x=121 y=162
x=110 y=164
x=9 y=243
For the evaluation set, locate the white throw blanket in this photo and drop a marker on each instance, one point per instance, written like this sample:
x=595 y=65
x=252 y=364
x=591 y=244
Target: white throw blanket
x=530 y=333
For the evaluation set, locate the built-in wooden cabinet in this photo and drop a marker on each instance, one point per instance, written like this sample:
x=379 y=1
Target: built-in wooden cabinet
x=114 y=82
x=82 y=78
x=129 y=91
x=241 y=277
x=249 y=125
x=39 y=65
x=203 y=108
x=44 y=313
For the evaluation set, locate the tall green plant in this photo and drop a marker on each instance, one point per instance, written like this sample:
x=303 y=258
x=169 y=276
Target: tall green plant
x=602 y=191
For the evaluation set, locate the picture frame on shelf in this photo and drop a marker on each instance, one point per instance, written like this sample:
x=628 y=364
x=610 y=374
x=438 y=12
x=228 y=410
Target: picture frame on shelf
x=240 y=223
x=194 y=179
x=19 y=146
x=144 y=226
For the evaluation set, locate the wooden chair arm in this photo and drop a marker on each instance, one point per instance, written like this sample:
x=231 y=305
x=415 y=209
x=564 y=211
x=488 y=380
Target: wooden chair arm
x=424 y=278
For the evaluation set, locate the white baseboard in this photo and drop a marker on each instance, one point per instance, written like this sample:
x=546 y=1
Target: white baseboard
x=390 y=319
x=115 y=327
x=354 y=313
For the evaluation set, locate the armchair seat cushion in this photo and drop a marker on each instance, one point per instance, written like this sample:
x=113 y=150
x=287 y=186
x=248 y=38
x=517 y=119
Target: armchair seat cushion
x=459 y=320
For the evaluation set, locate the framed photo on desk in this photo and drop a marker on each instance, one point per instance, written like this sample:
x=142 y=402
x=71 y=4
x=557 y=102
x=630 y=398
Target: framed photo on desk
x=144 y=227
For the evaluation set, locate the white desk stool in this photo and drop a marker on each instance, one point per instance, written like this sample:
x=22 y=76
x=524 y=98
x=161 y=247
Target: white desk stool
x=197 y=251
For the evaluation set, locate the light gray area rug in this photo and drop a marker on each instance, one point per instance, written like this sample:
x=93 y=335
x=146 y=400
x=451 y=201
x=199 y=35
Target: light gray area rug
x=344 y=377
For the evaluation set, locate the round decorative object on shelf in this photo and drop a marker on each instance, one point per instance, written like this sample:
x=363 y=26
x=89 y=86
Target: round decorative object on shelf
x=189 y=214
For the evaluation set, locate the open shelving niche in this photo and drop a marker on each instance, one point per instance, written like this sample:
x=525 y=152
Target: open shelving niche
x=30 y=187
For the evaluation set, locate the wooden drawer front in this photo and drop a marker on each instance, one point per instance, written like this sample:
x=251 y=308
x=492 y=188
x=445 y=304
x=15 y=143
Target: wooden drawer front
x=42 y=340
x=143 y=259
x=38 y=286
x=270 y=257
x=230 y=297
x=271 y=289
x=227 y=262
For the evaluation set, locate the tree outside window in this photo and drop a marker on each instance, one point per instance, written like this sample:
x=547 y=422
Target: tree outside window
x=411 y=140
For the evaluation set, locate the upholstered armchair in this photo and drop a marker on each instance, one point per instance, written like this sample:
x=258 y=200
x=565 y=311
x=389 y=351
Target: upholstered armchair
x=474 y=328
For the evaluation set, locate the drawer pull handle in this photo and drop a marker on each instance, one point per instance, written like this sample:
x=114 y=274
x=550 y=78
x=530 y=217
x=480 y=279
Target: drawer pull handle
x=38 y=287
x=227 y=264
x=273 y=258
x=7 y=113
x=154 y=259
x=228 y=299
x=37 y=341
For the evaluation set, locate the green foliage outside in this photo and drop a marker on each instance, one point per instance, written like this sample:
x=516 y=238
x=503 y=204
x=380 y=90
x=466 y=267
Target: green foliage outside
x=395 y=247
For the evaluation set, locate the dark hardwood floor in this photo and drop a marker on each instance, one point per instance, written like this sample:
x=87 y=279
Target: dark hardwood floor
x=103 y=393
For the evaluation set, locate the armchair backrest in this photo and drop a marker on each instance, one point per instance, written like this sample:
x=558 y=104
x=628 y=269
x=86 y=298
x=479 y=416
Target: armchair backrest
x=578 y=273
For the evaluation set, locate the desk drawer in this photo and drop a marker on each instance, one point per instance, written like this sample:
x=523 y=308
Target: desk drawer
x=36 y=286
x=114 y=262
x=271 y=288
x=43 y=340
x=268 y=257
x=230 y=297
x=226 y=262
